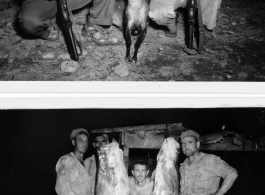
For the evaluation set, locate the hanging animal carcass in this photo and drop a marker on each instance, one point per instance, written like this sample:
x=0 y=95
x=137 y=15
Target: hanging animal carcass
x=112 y=178
x=166 y=175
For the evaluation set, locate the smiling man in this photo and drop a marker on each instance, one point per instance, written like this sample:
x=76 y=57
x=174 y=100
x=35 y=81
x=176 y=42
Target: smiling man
x=72 y=176
x=140 y=184
x=200 y=173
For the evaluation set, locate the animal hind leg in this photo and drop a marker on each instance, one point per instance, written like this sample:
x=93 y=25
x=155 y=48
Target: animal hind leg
x=128 y=41
x=138 y=43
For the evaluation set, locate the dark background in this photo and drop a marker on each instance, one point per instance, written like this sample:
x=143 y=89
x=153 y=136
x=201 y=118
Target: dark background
x=33 y=141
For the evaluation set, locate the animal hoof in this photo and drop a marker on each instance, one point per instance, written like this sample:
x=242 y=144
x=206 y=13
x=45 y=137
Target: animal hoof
x=128 y=59
x=134 y=59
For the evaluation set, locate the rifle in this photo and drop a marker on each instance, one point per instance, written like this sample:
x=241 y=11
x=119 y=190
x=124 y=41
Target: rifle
x=192 y=6
x=65 y=15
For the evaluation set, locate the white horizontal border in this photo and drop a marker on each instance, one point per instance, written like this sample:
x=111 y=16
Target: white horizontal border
x=83 y=95
x=71 y=101
x=132 y=87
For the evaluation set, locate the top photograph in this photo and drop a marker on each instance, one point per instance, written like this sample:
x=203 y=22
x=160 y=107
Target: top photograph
x=132 y=40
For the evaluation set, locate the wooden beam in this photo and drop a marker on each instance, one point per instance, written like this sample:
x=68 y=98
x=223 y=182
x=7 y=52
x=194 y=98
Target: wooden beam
x=152 y=142
x=160 y=127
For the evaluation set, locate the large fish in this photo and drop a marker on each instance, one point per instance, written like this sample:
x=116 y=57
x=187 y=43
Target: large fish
x=166 y=175
x=112 y=176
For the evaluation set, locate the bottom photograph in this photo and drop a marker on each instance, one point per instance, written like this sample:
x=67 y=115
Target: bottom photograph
x=191 y=151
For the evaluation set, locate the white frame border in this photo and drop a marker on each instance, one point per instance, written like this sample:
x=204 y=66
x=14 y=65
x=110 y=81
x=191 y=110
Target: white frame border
x=59 y=95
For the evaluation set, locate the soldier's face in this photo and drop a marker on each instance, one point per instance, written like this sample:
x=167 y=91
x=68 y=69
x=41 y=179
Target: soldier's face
x=190 y=146
x=81 y=143
x=140 y=172
x=100 y=141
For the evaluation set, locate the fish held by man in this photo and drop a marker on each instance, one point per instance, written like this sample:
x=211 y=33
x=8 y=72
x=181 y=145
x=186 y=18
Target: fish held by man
x=166 y=175
x=112 y=176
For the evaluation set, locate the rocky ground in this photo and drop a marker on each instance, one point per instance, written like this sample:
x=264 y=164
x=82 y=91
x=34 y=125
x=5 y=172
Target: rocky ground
x=235 y=51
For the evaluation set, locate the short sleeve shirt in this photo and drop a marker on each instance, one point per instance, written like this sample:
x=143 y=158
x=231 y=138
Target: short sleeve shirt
x=72 y=177
x=202 y=176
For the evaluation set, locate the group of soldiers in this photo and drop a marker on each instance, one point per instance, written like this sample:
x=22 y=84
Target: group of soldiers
x=200 y=173
x=36 y=17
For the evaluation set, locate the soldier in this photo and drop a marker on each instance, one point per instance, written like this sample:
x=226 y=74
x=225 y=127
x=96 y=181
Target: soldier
x=92 y=163
x=166 y=13
x=200 y=173
x=36 y=17
x=72 y=175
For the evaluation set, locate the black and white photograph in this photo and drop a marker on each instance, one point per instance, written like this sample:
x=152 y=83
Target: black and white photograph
x=132 y=40
x=166 y=151
x=196 y=129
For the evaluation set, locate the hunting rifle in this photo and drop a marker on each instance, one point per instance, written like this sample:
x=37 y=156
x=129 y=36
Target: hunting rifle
x=66 y=16
x=192 y=6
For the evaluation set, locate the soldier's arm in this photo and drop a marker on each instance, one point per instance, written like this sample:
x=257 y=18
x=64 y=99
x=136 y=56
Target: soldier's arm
x=63 y=182
x=229 y=177
x=227 y=183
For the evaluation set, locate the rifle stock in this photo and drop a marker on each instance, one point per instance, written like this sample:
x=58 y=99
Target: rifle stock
x=63 y=11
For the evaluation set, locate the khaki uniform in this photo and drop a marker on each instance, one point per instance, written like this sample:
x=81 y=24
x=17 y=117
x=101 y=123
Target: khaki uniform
x=163 y=12
x=72 y=177
x=90 y=164
x=101 y=12
x=35 y=15
x=202 y=176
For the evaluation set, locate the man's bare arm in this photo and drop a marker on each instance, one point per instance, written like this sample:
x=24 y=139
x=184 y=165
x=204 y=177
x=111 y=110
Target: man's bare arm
x=229 y=180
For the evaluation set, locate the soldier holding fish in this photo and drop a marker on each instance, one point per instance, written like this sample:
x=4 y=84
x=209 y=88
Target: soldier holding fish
x=200 y=173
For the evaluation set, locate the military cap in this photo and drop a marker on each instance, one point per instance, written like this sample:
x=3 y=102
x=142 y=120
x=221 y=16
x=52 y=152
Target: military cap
x=189 y=133
x=75 y=132
x=105 y=136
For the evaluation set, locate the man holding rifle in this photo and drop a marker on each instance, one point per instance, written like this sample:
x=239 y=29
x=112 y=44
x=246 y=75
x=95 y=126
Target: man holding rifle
x=36 y=16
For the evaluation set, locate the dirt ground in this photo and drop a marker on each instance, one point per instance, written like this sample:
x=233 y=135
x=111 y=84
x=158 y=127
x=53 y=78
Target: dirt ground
x=235 y=51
